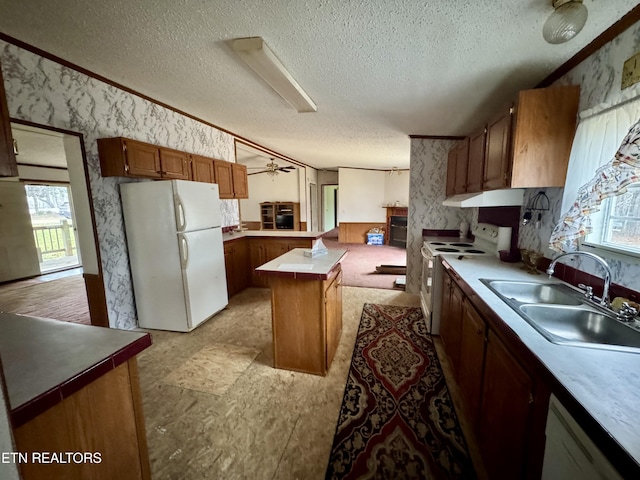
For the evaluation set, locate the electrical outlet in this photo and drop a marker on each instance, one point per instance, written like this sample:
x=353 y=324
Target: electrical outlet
x=631 y=71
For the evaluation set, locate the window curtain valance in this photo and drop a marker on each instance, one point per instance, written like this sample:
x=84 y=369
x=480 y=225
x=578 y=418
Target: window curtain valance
x=605 y=158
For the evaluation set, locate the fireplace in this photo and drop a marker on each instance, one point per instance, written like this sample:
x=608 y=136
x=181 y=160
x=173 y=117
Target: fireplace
x=398 y=231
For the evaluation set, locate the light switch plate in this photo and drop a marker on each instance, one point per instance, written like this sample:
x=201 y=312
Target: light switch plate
x=631 y=71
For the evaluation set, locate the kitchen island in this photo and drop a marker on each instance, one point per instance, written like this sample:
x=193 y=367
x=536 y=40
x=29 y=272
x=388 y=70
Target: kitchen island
x=73 y=391
x=246 y=250
x=306 y=309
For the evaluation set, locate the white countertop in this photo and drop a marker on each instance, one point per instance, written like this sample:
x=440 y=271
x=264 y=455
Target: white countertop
x=271 y=234
x=295 y=263
x=606 y=383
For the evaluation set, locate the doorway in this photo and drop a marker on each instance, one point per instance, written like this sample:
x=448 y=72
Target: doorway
x=329 y=207
x=53 y=179
x=53 y=223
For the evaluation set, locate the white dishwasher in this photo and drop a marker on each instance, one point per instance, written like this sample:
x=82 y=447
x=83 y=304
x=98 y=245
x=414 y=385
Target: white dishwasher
x=569 y=453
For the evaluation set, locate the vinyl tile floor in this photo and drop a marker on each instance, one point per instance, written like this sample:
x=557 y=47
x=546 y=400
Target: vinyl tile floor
x=215 y=407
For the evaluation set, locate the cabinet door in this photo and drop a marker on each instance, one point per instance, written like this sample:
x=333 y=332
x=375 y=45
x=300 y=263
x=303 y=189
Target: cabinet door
x=451 y=172
x=462 y=161
x=472 y=347
x=275 y=248
x=451 y=321
x=8 y=166
x=267 y=216
x=229 y=266
x=507 y=405
x=142 y=159
x=174 y=164
x=240 y=184
x=497 y=161
x=257 y=257
x=475 y=167
x=544 y=128
x=333 y=316
x=202 y=169
x=224 y=178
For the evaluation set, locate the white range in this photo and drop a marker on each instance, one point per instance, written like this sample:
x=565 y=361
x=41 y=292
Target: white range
x=488 y=240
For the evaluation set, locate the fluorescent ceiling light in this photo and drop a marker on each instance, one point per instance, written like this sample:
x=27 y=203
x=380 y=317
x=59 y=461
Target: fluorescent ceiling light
x=257 y=54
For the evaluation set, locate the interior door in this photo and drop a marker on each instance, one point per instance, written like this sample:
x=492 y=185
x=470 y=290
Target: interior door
x=203 y=274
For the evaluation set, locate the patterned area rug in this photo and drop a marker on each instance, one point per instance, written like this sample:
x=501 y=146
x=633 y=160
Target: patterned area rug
x=397 y=419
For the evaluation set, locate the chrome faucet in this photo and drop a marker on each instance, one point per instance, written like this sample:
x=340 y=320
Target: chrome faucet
x=604 y=301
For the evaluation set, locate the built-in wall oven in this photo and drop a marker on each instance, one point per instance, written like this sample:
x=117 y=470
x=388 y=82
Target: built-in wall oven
x=488 y=240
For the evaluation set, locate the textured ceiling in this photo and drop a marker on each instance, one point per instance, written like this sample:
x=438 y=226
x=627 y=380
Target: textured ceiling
x=378 y=70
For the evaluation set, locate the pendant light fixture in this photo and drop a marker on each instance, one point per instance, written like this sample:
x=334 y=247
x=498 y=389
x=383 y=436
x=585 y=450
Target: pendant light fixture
x=567 y=20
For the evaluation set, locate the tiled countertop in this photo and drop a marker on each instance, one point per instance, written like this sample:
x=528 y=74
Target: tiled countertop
x=295 y=264
x=46 y=360
x=605 y=383
x=270 y=234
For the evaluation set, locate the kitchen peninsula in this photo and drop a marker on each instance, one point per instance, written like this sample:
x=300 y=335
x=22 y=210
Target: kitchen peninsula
x=73 y=390
x=306 y=309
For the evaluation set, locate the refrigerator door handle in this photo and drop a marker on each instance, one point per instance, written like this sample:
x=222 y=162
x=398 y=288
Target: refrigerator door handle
x=184 y=251
x=181 y=221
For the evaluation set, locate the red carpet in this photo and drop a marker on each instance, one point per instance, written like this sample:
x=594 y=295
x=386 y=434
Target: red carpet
x=359 y=266
x=397 y=420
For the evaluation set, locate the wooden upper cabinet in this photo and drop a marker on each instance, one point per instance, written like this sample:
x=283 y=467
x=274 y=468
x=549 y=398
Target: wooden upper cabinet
x=122 y=157
x=497 y=160
x=240 y=182
x=451 y=171
x=224 y=178
x=544 y=129
x=202 y=169
x=475 y=167
x=174 y=164
x=8 y=165
x=462 y=161
x=457 y=168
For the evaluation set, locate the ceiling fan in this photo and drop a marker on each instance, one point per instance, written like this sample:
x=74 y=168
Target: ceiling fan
x=272 y=169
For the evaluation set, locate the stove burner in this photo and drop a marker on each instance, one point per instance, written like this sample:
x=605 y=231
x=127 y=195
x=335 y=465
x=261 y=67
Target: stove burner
x=437 y=243
x=461 y=245
x=474 y=251
x=445 y=249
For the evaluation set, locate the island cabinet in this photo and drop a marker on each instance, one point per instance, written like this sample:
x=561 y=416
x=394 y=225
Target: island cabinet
x=8 y=165
x=503 y=394
x=236 y=262
x=306 y=309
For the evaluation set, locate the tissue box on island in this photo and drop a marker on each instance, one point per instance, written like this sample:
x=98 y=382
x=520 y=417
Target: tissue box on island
x=318 y=249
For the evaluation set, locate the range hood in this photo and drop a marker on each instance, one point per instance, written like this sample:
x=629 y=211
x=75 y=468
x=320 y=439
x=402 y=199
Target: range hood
x=492 y=198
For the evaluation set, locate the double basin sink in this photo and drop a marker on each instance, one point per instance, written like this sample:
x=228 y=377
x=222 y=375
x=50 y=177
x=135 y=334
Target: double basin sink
x=564 y=316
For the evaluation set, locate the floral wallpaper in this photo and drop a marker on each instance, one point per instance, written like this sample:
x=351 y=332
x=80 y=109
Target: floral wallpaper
x=47 y=93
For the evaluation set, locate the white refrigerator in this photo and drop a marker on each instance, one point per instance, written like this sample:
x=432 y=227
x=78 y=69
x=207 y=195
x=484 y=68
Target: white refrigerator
x=175 y=252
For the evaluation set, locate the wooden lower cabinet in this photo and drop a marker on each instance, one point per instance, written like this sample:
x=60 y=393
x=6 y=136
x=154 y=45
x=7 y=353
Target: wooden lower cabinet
x=471 y=360
x=306 y=322
x=506 y=401
x=103 y=419
x=507 y=408
x=451 y=320
x=263 y=250
x=236 y=262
